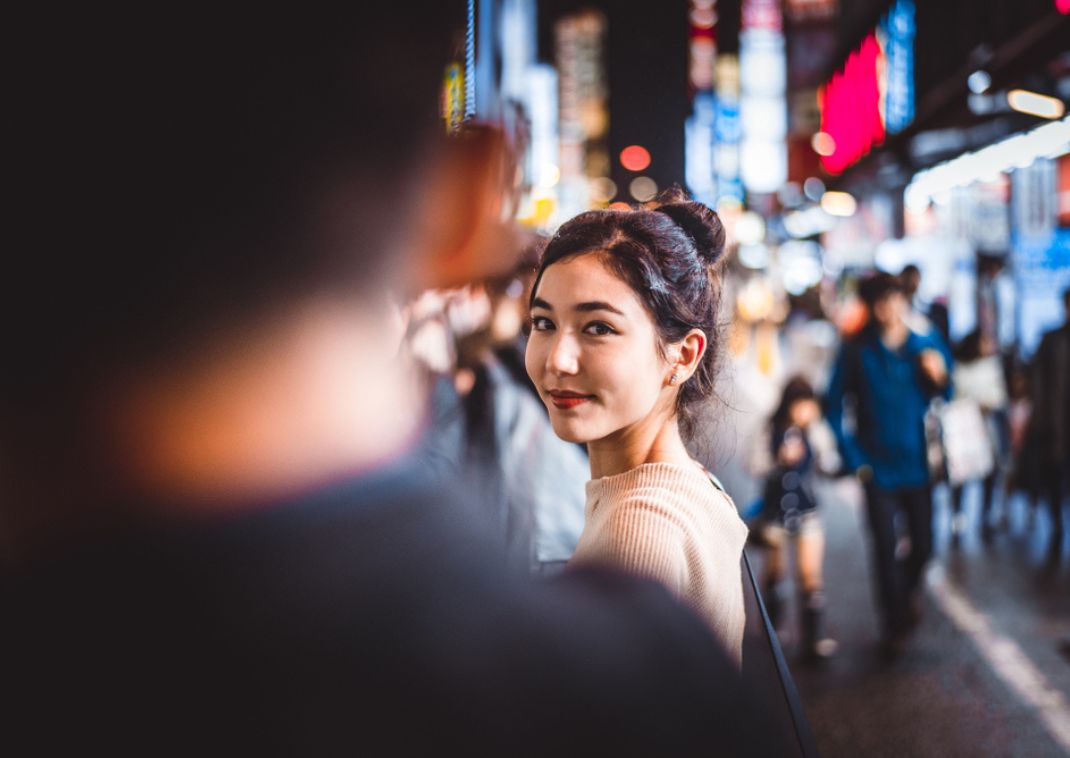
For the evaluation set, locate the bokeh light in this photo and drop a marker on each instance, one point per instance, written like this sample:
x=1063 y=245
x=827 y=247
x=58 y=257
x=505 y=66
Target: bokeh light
x=549 y=176
x=750 y=228
x=602 y=189
x=840 y=204
x=635 y=158
x=643 y=188
x=1035 y=104
x=813 y=188
x=823 y=143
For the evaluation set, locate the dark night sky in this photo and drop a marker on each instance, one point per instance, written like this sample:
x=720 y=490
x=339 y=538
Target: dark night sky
x=648 y=97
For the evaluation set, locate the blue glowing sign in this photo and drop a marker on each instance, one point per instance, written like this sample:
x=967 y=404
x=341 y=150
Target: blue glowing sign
x=896 y=33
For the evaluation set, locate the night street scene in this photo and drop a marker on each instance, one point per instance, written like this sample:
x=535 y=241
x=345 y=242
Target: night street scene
x=538 y=377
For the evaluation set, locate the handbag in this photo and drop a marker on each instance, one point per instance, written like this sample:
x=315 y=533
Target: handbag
x=966 y=442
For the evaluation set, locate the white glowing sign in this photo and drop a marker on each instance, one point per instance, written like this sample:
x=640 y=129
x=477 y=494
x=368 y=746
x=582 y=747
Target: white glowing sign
x=763 y=107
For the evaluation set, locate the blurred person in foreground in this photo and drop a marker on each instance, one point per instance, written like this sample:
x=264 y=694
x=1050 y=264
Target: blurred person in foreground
x=1049 y=423
x=885 y=377
x=212 y=540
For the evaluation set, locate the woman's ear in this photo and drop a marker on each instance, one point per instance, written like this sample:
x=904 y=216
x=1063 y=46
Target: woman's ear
x=463 y=234
x=689 y=352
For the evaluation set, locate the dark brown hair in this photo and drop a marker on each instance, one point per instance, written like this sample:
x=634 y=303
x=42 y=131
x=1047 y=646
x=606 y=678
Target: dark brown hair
x=877 y=287
x=667 y=252
x=796 y=389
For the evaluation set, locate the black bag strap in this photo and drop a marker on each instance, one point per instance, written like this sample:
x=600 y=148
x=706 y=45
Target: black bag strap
x=799 y=723
x=798 y=718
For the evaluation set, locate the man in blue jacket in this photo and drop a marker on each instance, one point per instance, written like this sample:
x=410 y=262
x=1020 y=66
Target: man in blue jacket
x=886 y=377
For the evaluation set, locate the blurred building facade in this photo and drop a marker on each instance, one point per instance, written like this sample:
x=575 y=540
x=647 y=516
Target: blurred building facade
x=958 y=162
x=832 y=137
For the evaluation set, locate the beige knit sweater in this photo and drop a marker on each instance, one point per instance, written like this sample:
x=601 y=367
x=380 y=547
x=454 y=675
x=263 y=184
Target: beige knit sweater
x=668 y=522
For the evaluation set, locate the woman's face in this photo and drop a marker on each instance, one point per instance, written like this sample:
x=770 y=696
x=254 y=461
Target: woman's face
x=593 y=352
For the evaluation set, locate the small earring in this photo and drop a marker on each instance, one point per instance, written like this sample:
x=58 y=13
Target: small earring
x=674 y=378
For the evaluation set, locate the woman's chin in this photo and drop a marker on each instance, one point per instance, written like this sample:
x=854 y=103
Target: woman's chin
x=569 y=433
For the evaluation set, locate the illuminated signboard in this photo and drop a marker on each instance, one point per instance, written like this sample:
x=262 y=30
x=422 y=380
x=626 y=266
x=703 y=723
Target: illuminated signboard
x=850 y=108
x=896 y=34
x=873 y=94
x=763 y=111
x=727 y=130
x=453 y=97
x=699 y=145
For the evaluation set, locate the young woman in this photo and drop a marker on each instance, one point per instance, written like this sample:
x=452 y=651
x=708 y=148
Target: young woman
x=623 y=313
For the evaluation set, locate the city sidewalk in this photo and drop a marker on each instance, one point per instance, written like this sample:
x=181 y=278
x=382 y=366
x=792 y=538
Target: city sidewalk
x=984 y=673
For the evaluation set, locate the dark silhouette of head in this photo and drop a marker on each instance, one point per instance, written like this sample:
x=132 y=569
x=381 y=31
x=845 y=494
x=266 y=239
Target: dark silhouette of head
x=910 y=279
x=188 y=180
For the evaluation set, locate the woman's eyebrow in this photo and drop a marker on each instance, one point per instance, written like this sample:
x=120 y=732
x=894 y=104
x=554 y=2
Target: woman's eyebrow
x=597 y=305
x=540 y=303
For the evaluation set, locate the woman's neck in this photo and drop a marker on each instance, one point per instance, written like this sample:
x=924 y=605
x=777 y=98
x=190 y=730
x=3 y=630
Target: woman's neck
x=648 y=441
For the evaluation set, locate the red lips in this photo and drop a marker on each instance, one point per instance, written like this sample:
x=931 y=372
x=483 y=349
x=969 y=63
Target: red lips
x=566 y=399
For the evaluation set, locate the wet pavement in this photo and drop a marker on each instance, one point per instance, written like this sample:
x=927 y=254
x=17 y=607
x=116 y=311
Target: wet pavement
x=985 y=673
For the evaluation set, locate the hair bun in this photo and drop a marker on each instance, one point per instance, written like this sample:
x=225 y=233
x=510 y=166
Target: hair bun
x=701 y=224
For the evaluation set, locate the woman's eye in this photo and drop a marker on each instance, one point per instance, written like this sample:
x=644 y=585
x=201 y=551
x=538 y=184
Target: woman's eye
x=541 y=323
x=599 y=329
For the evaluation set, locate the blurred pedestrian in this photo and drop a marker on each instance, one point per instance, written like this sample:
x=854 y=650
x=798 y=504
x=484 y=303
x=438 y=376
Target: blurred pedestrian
x=978 y=378
x=214 y=540
x=888 y=375
x=1050 y=420
x=1022 y=475
x=533 y=479
x=623 y=340
x=916 y=317
x=790 y=511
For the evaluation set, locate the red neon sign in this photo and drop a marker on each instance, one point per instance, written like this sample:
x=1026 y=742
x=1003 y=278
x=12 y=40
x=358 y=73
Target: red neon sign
x=851 y=106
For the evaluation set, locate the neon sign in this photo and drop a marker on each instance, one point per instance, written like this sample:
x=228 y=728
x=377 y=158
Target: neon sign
x=873 y=94
x=896 y=34
x=850 y=107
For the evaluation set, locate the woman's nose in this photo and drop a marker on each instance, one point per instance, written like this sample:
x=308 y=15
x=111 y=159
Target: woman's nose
x=564 y=355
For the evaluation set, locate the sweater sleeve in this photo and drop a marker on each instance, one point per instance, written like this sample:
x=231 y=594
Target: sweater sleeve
x=643 y=537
